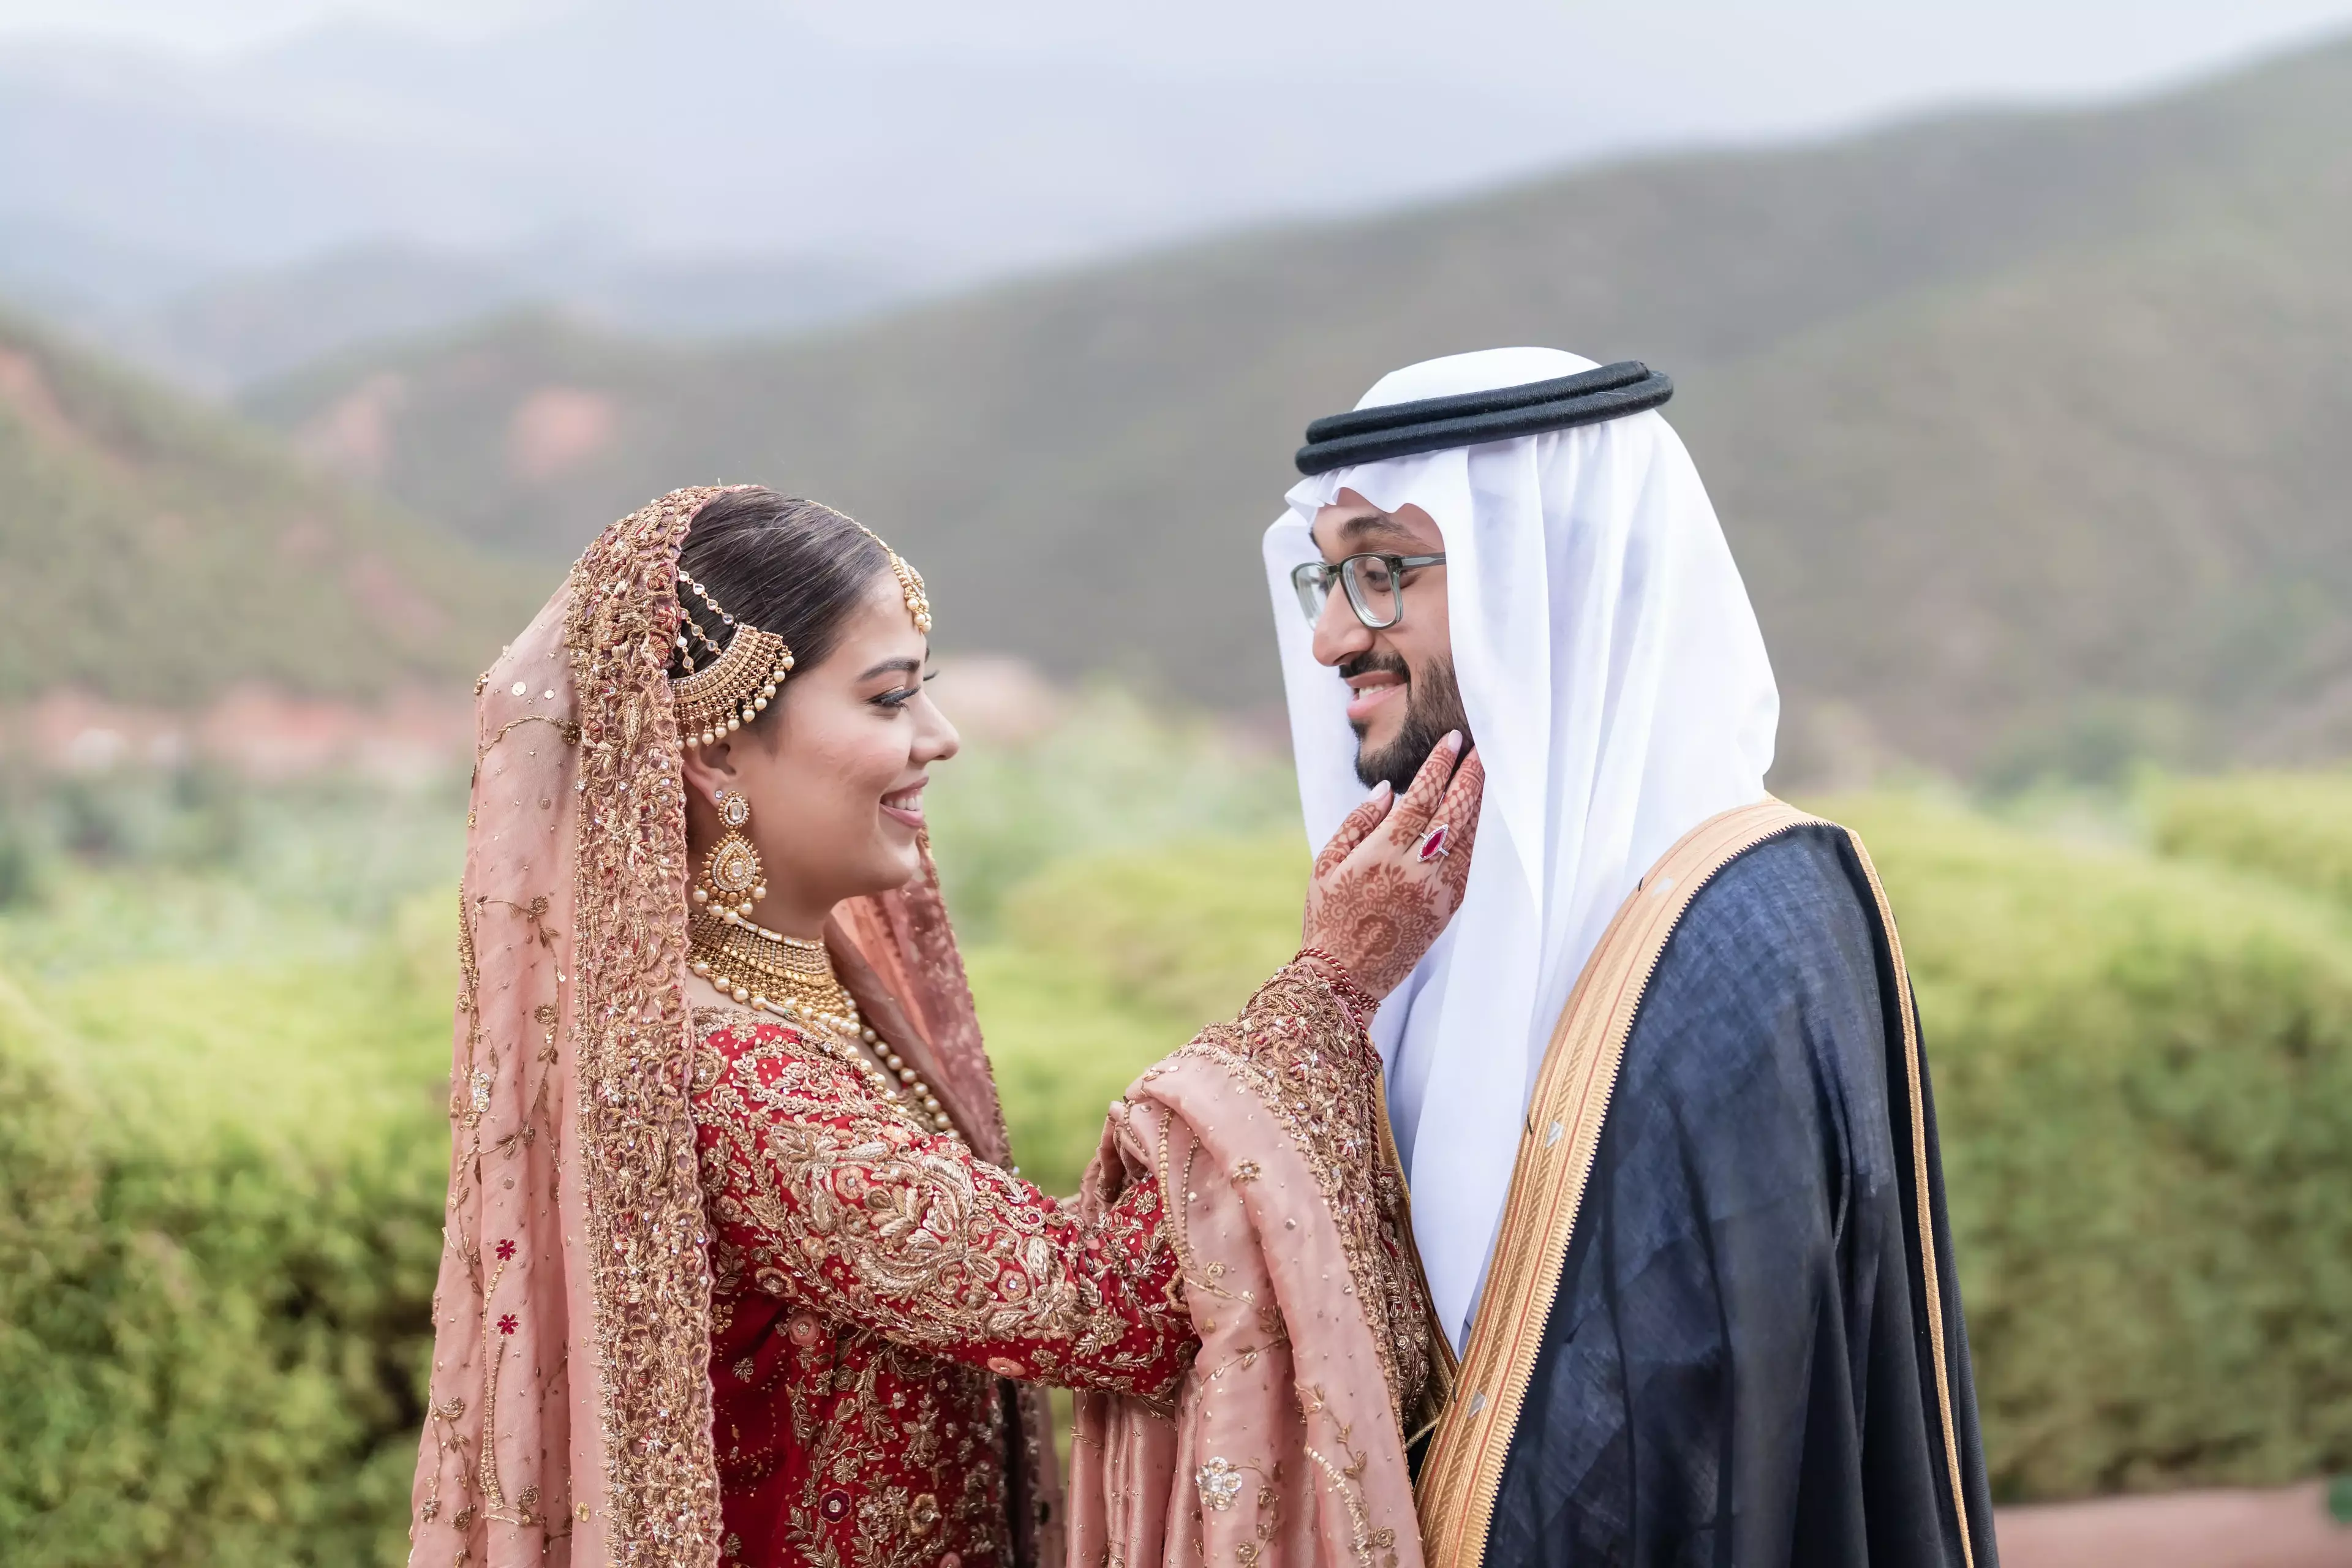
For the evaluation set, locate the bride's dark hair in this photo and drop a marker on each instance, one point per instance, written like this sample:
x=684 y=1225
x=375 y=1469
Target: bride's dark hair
x=782 y=563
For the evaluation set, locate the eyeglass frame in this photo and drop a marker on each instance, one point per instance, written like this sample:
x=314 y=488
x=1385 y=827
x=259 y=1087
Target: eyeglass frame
x=1326 y=572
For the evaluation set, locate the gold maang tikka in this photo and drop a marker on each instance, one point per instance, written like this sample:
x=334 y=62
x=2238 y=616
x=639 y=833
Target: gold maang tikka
x=911 y=582
x=747 y=670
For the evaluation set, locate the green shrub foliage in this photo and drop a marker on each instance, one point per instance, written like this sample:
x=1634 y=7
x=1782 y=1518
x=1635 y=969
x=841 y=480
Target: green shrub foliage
x=223 y=1144
x=1107 y=962
x=2294 y=827
x=212 y=1333
x=2143 y=1072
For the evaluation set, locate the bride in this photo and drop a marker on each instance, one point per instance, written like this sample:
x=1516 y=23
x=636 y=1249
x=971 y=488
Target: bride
x=737 y=1268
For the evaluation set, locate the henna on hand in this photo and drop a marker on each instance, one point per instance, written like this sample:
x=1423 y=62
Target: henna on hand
x=1389 y=920
x=1354 y=828
x=1375 y=904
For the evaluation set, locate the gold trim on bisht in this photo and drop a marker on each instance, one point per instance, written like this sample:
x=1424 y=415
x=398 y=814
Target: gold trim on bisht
x=1923 y=1194
x=1459 y=1484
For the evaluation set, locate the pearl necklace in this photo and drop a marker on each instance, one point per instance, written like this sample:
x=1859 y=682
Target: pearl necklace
x=744 y=961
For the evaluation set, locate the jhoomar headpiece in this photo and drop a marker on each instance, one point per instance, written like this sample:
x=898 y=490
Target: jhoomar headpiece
x=737 y=685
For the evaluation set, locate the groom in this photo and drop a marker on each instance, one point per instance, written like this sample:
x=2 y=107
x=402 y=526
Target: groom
x=1658 y=1087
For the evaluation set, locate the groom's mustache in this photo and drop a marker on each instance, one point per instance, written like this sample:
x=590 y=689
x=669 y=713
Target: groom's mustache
x=1375 y=661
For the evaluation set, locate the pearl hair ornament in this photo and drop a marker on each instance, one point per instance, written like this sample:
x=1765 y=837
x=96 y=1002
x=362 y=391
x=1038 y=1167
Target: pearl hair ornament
x=733 y=689
x=745 y=673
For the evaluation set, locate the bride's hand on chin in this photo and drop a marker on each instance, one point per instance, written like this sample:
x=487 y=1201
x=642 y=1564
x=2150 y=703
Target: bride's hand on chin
x=1392 y=876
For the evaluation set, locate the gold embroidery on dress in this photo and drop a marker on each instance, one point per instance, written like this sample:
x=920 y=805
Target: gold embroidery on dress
x=899 y=1214
x=493 y=1496
x=846 y=1205
x=644 y=1242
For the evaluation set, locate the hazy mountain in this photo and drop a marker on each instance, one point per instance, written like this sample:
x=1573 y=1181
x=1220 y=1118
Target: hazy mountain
x=702 y=167
x=68 y=272
x=246 y=326
x=675 y=167
x=703 y=129
x=162 y=552
x=2027 y=428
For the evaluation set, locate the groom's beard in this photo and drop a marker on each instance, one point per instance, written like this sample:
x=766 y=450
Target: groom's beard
x=1432 y=705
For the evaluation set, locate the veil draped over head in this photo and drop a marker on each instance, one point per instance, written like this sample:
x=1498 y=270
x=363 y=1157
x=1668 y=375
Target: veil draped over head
x=570 y=1416
x=1617 y=687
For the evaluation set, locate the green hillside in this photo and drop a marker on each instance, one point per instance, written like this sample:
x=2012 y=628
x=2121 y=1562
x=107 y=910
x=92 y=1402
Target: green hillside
x=161 y=552
x=2025 y=426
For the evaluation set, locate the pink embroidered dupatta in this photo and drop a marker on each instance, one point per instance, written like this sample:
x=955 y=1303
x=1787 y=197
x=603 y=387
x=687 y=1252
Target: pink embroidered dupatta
x=1284 y=1445
x=569 y=1416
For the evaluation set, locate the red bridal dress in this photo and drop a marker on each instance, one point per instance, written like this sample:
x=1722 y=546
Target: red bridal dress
x=708 y=1296
x=873 y=1283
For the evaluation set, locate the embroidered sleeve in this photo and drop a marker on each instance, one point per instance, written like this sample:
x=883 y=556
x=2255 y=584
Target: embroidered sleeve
x=824 y=1192
x=1301 y=1046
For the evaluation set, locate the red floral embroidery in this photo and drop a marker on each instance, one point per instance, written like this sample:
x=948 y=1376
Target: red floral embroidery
x=508 y=1324
x=506 y=1250
x=870 y=1278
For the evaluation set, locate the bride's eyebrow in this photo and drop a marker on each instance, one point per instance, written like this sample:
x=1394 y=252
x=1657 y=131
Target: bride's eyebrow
x=894 y=666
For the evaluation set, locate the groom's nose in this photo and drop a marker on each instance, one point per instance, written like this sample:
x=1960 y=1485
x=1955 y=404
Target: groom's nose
x=1338 y=635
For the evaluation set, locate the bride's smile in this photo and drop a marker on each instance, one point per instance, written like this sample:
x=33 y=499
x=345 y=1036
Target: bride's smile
x=833 y=772
x=906 y=804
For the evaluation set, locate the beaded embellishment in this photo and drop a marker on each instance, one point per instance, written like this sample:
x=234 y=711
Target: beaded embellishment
x=911 y=582
x=733 y=689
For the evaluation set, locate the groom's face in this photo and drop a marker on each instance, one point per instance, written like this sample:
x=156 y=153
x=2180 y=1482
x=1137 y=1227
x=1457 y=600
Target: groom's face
x=1401 y=677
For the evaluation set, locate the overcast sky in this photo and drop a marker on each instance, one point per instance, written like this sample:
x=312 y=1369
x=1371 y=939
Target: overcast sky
x=1730 y=68
x=954 y=139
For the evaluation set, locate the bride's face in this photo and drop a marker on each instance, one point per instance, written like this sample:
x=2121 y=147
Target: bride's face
x=834 y=770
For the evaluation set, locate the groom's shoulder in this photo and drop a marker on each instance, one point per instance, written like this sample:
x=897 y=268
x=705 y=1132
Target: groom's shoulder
x=1782 y=896
x=1787 y=921
x=1772 y=977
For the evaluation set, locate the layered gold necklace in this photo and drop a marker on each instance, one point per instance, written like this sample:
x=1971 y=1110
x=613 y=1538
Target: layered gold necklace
x=792 y=978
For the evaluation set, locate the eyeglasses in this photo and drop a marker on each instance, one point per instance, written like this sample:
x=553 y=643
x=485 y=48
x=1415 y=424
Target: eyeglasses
x=1375 y=585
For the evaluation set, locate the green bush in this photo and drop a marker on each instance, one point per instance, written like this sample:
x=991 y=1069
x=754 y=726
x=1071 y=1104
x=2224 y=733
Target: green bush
x=1107 y=962
x=1114 y=775
x=222 y=1142
x=2143 y=1070
x=2295 y=828
x=2143 y=1073
x=219 y=1274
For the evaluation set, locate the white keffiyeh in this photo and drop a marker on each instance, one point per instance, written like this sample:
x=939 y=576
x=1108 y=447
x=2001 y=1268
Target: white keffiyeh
x=1618 y=689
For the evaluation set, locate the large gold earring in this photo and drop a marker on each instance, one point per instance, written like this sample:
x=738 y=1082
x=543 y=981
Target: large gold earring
x=733 y=877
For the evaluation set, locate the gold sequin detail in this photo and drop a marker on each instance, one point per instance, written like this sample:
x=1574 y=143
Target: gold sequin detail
x=1299 y=1050
x=646 y=1245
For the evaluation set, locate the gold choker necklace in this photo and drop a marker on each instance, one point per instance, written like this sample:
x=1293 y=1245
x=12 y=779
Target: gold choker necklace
x=792 y=978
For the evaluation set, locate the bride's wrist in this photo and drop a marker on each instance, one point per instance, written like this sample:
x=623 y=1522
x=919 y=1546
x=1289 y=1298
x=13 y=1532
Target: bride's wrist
x=1360 y=1003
